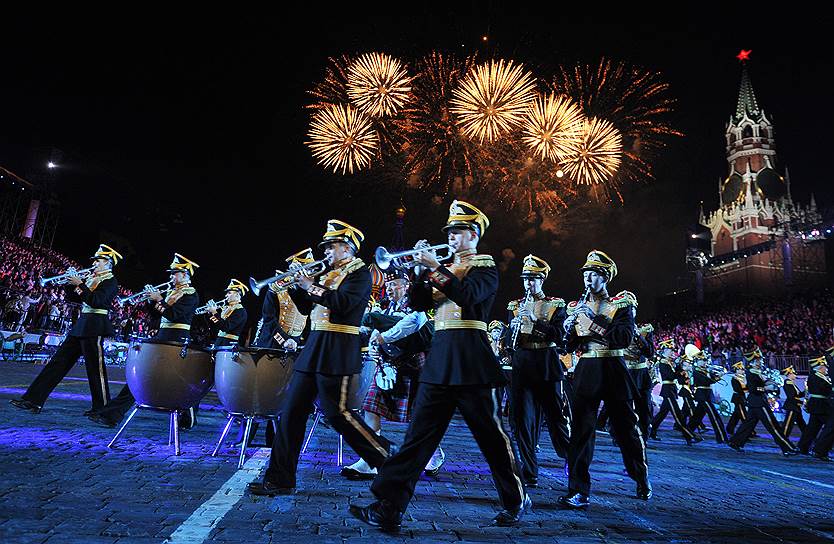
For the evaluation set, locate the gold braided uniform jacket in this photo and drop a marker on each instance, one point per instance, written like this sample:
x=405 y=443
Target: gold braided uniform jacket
x=610 y=332
x=462 y=293
x=231 y=322
x=335 y=303
x=540 y=339
x=177 y=313
x=97 y=294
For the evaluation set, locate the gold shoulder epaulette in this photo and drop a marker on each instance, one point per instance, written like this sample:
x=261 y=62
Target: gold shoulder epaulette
x=482 y=261
x=188 y=291
x=571 y=307
x=513 y=305
x=556 y=301
x=624 y=299
x=354 y=265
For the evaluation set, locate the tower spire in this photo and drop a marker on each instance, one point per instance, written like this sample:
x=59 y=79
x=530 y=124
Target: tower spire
x=747 y=105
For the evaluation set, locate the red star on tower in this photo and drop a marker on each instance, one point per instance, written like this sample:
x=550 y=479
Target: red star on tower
x=744 y=55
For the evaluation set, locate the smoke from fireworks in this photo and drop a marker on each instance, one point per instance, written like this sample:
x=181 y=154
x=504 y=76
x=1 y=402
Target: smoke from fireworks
x=492 y=99
x=598 y=156
x=378 y=84
x=342 y=137
x=553 y=127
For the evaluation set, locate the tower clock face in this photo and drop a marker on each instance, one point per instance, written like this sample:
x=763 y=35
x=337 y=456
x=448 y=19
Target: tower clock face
x=732 y=190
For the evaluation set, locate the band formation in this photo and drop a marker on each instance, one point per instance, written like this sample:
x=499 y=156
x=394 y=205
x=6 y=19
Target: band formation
x=577 y=366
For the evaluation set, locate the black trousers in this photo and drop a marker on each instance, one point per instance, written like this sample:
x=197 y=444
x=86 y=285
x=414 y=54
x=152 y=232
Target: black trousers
x=826 y=438
x=739 y=414
x=707 y=407
x=332 y=392
x=793 y=417
x=623 y=423
x=433 y=410
x=754 y=415
x=530 y=398
x=92 y=347
x=816 y=422
x=643 y=406
x=670 y=405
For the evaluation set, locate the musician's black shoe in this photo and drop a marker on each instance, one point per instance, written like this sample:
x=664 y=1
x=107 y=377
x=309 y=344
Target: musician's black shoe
x=356 y=475
x=267 y=489
x=790 y=453
x=380 y=514
x=510 y=517
x=644 y=491
x=102 y=420
x=26 y=405
x=697 y=438
x=574 y=501
x=531 y=482
x=823 y=457
x=736 y=447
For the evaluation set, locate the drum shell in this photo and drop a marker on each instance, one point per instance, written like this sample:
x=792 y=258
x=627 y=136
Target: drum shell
x=252 y=382
x=160 y=378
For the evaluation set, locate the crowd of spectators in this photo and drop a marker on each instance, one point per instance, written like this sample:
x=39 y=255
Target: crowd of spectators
x=25 y=305
x=796 y=325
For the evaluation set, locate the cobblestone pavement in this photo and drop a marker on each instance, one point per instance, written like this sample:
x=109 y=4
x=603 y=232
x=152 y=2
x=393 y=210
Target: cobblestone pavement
x=59 y=483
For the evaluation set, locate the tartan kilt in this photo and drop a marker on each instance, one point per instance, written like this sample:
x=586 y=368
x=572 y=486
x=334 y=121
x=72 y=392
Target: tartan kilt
x=395 y=405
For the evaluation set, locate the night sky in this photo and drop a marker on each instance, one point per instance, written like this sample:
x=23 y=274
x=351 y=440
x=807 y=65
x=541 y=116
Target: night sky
x=185 y=133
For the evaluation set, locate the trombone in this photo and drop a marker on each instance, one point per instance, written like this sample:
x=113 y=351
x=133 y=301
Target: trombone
x=63 y=278
x=310 y=269
x=405 y=259
x=205 y=308
x=144 y=294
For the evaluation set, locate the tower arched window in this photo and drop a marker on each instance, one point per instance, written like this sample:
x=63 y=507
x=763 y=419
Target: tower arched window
x=763 y=132
x=747 y=132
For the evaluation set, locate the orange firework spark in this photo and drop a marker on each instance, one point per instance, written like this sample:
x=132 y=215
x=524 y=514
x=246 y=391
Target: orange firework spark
x=553 y=127
x=342 y=137
x=493 y=99
x=599 y=155
x=378 y=84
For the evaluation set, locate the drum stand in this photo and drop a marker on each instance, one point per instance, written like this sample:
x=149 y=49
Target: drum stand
x=247 y=433
x=173 y=426
x=316 y=417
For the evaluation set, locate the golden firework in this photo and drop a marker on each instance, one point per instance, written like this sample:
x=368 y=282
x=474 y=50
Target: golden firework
x=553 y=127
x=378 y=84
x=598 y=156
x=343 y=138
x=493 y=99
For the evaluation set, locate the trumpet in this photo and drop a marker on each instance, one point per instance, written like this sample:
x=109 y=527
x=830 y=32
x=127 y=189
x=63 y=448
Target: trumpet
x=205 y=308
x=405 y=259
x=62 y=278
x=144 y=294
x=310 y=269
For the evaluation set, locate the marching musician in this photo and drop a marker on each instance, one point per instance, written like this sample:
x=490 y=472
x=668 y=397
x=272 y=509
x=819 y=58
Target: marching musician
x=461 y=371
x=793 y=403
x=637 y=357
x=758 y=408
x=232 y=319
x=704 y=378
x=86 y=337
x=669 y=392
x=536 y=324
x=739 y=398
x=685 y=392
x=282 y=325
x=601 y=327
x=177 y=308
x=820 y=408
x=335 y=302
x=399 y=338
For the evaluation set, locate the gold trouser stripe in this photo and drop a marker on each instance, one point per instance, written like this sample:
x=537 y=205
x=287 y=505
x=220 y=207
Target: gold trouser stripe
x=788 y=423
x=743 y=413
x=87 y=309
x=667 y=382
x=169 y=325
x=716 y=421
x=104 y=393
x=352 y=420
x=603 y=353
x=223 y=334
x=777 y=434
x=451 y=324
x=674 y=408
x=815 y=396
x=334 y=327
x=702 y=387
x=513 y=463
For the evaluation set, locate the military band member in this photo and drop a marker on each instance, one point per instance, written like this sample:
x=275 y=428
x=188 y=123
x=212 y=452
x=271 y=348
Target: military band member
x=335 y=301
x=86 y=337
x=669 y=392
x=739 y=398
x=601 y=328
x=282 y=325
x=704 y=377
x=758 y=408
x=637 y=357
x=232 y=319
x=820 y=408
x=685 y=393
x=537 y=372
x=794 y=399
x=177 y=308
x=461 y=372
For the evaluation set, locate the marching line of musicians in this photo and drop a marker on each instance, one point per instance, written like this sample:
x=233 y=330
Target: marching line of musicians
x=562 y=361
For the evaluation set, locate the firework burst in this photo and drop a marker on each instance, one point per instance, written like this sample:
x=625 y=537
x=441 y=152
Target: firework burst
x=493 y=99
x=378 y=84
x=553 y=127
x=343 y=138
x=333 y=88
x=599 y=155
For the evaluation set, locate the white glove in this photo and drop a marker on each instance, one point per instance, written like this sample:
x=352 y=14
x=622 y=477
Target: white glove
x=386 y=377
